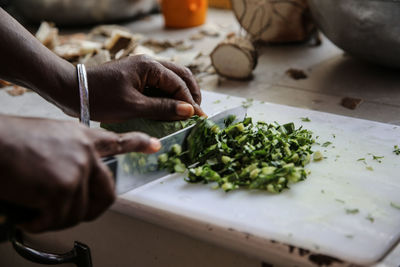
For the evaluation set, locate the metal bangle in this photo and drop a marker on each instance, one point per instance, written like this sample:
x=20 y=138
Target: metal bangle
x=83 y=94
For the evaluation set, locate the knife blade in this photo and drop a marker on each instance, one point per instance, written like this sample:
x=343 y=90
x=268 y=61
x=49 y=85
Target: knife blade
x=136 y=169
x=130 y=171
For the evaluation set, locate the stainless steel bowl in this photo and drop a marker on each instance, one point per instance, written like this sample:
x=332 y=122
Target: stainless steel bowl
x=75 y=12
x=367 y=29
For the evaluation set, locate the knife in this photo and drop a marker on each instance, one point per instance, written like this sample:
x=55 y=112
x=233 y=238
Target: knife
x=133 y=170
x=130 y=170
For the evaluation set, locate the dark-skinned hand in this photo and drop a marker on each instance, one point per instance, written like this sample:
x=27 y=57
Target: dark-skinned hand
x=55 y=168
x=117 y=90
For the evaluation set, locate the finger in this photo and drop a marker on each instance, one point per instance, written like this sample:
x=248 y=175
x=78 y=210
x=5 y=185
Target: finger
x=187 y=76
x=101 y=190
x=108 y=143
x=168 y=81
x=168 y=109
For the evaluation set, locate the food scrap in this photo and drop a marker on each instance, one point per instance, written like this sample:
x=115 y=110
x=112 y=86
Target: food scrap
x=318 y=156
x=326 y=144
x=243 y=155
x=305 y=119
x=352 y=211
x=17 y=90
x=395 y=205
x=351 y=103
x=4 y=83
x=396 y=150
x=296 y=74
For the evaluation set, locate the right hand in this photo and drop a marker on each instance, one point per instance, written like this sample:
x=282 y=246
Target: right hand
x=55 y=168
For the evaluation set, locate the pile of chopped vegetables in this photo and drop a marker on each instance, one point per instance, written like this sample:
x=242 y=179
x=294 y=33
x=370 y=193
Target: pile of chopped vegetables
x=243 y=155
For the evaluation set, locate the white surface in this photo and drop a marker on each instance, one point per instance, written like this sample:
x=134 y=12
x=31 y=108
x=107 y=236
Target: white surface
x=309 y=215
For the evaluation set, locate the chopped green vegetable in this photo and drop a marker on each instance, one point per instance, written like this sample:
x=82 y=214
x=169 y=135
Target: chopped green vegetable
x=352 y=211
x=326 y=144
x=340 y=201
x=334 y=135
x=377 y=158
x=305 y=119
x=248 y=102
x=244 y=155
x=318 y=156
x=370 y=218
x=217 y=101
x=361 y=159
x=369 y=168
x=394 y=205
x=396 y=150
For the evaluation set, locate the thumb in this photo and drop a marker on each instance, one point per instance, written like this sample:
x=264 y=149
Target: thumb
x=109 y=143
x=165 y=109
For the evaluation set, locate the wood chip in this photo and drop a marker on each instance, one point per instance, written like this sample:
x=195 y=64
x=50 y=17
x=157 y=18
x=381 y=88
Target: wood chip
x=47 y=34
x=210 y=30
x=160 y=46
x=4 y=83
x=118 y=41
x=351 y=103
x=17 y=91
x=98 y=58
x=197 y=36
x=296 y=74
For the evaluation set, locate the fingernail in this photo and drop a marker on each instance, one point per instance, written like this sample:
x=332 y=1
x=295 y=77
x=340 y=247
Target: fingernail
x=155 y=144
x=184 y=110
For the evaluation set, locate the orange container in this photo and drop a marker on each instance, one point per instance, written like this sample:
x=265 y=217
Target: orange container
x=184 y=13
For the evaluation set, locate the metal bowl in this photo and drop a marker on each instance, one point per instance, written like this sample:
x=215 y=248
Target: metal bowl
x=367 y=29
x=77 y=12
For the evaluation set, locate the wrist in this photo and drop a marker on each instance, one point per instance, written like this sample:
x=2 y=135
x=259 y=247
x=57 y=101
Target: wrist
x=66 y=90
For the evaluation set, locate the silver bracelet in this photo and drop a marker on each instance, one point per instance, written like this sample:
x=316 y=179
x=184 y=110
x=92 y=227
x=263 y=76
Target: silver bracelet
x=83 y=94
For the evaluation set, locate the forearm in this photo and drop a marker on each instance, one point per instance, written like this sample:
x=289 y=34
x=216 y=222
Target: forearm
x=26 y=62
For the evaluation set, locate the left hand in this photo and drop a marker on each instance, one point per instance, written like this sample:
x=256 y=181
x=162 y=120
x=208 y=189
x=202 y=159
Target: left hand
x=116 y=90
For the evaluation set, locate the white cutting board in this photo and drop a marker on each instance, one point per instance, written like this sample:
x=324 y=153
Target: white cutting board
x=312 y=214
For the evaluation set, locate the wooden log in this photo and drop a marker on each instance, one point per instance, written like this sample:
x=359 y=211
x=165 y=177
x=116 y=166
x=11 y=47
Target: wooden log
x=275 y=21
x=234 y=58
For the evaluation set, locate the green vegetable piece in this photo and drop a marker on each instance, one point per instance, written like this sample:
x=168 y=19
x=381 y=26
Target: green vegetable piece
x=326 y=144
x=352 y=211
x=228 y=187
x=395 y=205
x=370 y=218
x=228 y=121
x=369 y=168
x=176 y=149
x=180 y=168
x=163 y=158
x=254 y=173
x=226 y=159
x=305 y=119
x=318 y=156
x=396 y=150
x=377 y=158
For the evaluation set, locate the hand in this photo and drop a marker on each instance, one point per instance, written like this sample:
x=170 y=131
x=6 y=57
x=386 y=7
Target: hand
x=55 y=168
x=117 y=90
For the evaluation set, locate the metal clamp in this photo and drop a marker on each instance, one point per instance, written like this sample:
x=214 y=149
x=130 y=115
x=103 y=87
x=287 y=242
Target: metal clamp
x=83 y=94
